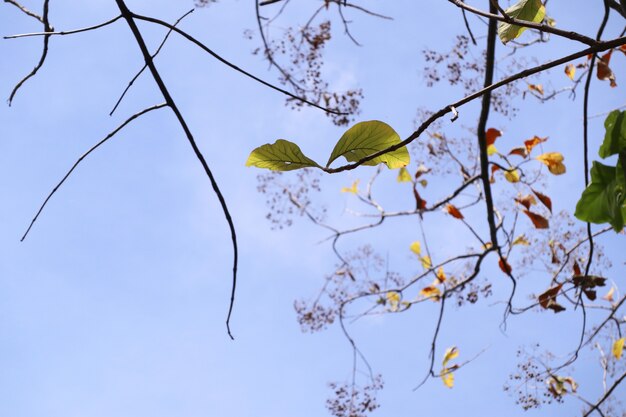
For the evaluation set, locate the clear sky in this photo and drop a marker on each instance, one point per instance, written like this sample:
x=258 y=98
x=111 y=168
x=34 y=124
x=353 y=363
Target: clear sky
x=115 y=304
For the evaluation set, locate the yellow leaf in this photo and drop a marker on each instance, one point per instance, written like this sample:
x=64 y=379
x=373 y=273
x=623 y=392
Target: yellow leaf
x=441 y=276
x=618 y=348
x=554 y=162
x=431 y=292
x=353 y=189
x=393 y=298
x=491 y=149
x=450 y=353
x=512 y=176
x=426 y=262
x=404 y=176
x=609 y=295
x=521 y=240
x=570 y=71
x=536 y=87
x=416 y=248
x=448 y=378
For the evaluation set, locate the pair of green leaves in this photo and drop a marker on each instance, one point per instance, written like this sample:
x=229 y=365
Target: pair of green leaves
x=604 y=200
x=528 y=10
x=358 y=142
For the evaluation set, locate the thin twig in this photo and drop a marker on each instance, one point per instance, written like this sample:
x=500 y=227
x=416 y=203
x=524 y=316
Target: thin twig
x=67 y=32
x=132 y=81
x=82 y=157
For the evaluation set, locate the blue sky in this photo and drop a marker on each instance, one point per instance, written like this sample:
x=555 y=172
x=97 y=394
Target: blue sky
x=115 y=304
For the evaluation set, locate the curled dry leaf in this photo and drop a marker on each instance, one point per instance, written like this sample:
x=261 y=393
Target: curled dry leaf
x=554 y=162
x=505 y=266
x=570 y=71
x=526 y=201
x=547 y=300
x=545 y=200
x=454 y=212
x=539 y=221
x=531 y=143
x=538 y=88
x=604 y=71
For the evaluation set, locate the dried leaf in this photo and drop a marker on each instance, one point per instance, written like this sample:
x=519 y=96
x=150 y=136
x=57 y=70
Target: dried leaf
x=441 y=275
x=450 y=353
x=526 y=201
x=505 y=266
x=604 y=71
x=420 y=203
x=536 y=87
x=521 y=151
x=554 y=162
x=521 y=240
x=426 y=262
x=531 y=143
x=448 y=378
x=540 y=222
x=431 y=292
x=547 y=300
x=570 y=71
x=454 y=212
x=618 y=348
x=544 y=199
x=352 y=189
x=609 y=295
x=576 y=269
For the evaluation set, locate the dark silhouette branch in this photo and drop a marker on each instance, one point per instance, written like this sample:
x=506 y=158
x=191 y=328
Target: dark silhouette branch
x=130 y=19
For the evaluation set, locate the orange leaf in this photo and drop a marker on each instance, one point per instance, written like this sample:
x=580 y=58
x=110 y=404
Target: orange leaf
x=441 y=275
x=420 y=203
x=536 y=87
x=521 y=151
x=491 y=135
x=570 y=71
x=604 y=71
x=526 y=201
x=554 y=162
x=540 y=222
x=544 y=199
x=454 y=212
x=494 y=168
x=531 y=143
x=504 y=266
x=576 y=268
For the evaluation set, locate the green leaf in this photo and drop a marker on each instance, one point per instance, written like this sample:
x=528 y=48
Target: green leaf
x=615 y=137
x=281 y=155
x=603 y=200
x=529 y=10
x=366 y=138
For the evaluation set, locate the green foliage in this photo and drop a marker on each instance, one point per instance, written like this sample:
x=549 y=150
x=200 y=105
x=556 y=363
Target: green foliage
x=358 y=142
x=615 y=138
x=603 y=200
x=282 y=155
x=529 y=10
x=366 y=138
